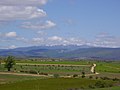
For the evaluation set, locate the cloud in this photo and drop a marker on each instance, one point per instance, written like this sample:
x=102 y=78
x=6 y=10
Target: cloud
x=55 y=38
x=8 y=47
x=11 y=34
x=12 y=47
x=20 y=13
x=39 y=25
x=37 y=40
x=41 y=33
x=23 y=2
x=106 y=40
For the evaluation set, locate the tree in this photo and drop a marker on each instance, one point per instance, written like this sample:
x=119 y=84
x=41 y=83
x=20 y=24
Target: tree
x=9 y=62
x=83 y=74
x=0 y=60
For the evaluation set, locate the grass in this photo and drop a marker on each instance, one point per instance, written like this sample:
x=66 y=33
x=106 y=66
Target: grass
x=111 y=88
x=53 y=69
x=113 y=67
x=55 y=62
x=12 y=82
x=4 y=78
x=50 y=84
x=109 y=75
x=102 y=66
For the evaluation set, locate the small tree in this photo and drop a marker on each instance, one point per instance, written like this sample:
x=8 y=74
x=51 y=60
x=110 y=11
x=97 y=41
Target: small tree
x=9 y=62
x=56 y=75
x=0 y=60
x=83 y=74
x=90 y=77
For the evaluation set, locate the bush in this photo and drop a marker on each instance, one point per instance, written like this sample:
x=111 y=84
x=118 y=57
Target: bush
x=83 y=74
x=56 y=76
x=100 y=84
x=90 y=77
x=23 y=71
x=91 y=86
x=75 y=75
x=33 y=72
x=105 y=78
x=68 y=74
x=43 y=73
x=116 y=79
x=96 y=77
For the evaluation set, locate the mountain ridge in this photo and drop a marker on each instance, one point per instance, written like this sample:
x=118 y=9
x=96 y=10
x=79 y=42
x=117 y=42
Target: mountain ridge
x=60 y=51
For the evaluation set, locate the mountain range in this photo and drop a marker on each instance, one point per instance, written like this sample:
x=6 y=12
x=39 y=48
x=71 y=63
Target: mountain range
x=61 y=51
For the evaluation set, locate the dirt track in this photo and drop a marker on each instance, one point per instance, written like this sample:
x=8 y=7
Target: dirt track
x=21 y=74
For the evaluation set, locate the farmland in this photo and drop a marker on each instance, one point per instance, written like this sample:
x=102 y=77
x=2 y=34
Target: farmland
x=60 y=75
x=52 y=84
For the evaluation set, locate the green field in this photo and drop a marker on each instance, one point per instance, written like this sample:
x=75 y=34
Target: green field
x=112 y=88
x=4 y=78
x=108 y=70
x=111 y=67
x=52 y=84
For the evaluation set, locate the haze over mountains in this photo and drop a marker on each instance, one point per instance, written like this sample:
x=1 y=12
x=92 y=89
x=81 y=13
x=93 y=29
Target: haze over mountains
x=61 y=51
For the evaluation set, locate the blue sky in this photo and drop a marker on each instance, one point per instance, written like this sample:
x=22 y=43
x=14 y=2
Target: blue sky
x=59 y=22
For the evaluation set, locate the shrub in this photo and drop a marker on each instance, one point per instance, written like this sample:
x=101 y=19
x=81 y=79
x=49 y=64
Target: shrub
x=116 y=79
x=83 y=74
x=33 y=72
x=68 y=74
x=90 y=77
x=56 y=76
x=23 y=71
x=100 y=84
x=43 y=73
x=96 y=77
x=91 y=86
x=75 y=75
x=105 y=78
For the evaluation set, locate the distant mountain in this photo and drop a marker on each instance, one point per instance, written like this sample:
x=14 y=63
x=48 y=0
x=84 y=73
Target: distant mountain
x=61 y=51
x=94 y=53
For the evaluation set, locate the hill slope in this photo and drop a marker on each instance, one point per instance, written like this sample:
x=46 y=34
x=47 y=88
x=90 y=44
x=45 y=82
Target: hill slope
x=71 y=51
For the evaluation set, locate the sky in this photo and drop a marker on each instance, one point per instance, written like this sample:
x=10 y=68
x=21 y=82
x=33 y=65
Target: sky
x=26 y=23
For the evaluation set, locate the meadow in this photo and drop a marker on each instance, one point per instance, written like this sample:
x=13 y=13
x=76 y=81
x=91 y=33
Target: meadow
x=55 y=84
x=61 y=75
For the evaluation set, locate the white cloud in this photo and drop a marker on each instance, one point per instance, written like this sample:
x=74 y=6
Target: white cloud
x=55 y=38
x=20 y=13
x=41 y=33
x=39 y=25
x=106 y=40
x=11 y=34
x=23 y=2
x=12 y=47
x=37 y=39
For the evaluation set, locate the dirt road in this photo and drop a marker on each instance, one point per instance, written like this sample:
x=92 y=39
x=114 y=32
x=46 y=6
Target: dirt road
x=22 y=74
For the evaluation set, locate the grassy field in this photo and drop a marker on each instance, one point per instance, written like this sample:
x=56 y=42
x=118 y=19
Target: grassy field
x=62 y=68
x=102 y=66
x=54 y=62
x=112 y=88
x=4 y=78
x=111 y=68
x=52 y=84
